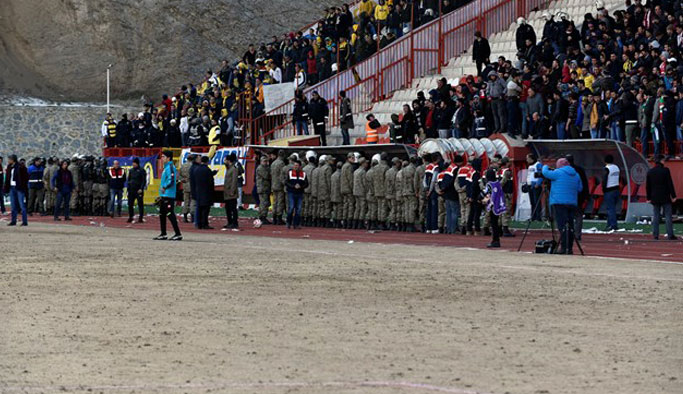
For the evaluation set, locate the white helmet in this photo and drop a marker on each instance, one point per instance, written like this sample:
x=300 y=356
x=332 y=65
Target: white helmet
x=322 y=158
x=257 y=223
x=141 y=115
x=546 y=15
x=376 y=158
x=310 y=154
x=521 y=21
x=599 y=4
x=356 y=157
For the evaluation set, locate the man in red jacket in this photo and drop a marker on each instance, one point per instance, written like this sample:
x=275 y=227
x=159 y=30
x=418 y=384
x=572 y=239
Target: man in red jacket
x=16 y=184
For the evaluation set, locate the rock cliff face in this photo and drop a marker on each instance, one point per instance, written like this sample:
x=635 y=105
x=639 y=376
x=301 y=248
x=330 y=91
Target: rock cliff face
x=60 y=49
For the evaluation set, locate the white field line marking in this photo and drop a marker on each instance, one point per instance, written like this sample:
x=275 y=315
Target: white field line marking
x=228 y=385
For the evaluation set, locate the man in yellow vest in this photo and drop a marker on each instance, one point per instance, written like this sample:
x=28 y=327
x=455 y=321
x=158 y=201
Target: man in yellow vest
x=371 y=133
x=109 y=131
x=214 y=137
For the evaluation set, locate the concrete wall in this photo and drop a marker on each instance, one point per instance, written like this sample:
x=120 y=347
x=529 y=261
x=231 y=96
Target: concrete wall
x=29 y=131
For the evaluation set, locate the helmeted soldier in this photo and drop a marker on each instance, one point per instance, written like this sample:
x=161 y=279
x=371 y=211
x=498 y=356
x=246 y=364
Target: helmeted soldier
x=360 y=192
x=400 y=210
x=390 y=192
x=101 y=188
x=307 y=210
x=50 y=195
x=348 y=199
x=378 y=178
x=88 y=175
x=188 y=204
x=371 y=216
x=314 y=192
x=418 y=180
x=278 y=187
x=461 y=183
x=263 y=186
x=335 y=195
x=75 y=170
x=410 y=193
x=325 y=190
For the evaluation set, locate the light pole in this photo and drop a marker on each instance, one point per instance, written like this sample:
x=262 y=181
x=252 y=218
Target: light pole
x=108 y=68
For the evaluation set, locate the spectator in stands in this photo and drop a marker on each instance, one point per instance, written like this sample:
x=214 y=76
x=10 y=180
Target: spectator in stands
x=481 y=51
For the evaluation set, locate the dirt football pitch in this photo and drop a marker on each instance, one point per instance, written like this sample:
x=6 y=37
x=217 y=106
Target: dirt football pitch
x=100 y=309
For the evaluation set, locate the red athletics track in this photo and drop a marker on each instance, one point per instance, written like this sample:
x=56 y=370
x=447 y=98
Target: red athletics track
x=640 y=246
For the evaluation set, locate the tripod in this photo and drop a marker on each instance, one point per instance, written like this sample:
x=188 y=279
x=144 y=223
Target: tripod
x=543 y=196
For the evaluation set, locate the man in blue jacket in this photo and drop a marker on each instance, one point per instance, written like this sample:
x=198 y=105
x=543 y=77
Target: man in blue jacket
x=167 y=190
x=565 y=185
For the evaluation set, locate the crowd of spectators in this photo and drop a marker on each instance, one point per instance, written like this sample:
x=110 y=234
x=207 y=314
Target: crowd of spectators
x=340 y=40
x=615 y=76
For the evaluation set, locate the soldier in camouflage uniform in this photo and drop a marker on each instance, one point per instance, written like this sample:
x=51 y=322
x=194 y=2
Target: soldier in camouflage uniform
x=315 y=220
x=360 y=191
x=324 y=190
x=348 y=199
x=410 y=194
x=390 y=193
x=263 y=186
x=101 y=189
x=379 y=188
x=278 y=187
x=400 y=210
x=336 y=196
x=306 y=211
x=418 y=180
x=88 y=180
x=189 y=205
x=50 y=194
x=371 y=216
x=460 y=185
x=75 y=169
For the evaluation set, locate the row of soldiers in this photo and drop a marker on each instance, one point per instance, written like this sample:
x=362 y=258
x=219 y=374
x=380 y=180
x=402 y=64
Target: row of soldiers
x=378 y=193
x=91 y=185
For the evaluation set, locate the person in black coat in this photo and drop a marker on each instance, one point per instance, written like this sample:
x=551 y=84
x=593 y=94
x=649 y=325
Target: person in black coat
x=583 y=196
x=318 y=111
x=481 y=51
x=202 y=185
x=137 y=183
x=661 y=194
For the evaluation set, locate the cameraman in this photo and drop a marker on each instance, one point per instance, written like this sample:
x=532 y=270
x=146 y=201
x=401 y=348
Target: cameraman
x=565 y=187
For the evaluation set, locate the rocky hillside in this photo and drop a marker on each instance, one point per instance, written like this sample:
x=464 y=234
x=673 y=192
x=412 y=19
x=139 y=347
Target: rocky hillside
x=59 y=49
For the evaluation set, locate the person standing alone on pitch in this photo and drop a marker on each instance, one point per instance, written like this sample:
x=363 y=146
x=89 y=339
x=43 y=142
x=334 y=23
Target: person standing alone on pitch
x=16 y=184
x=63 y=184
x=661 y=194
x=137 y=183
x=230 y=192
x=167 y=194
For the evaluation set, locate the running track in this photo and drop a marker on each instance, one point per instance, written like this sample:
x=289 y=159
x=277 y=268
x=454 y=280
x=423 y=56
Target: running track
x=618 y=245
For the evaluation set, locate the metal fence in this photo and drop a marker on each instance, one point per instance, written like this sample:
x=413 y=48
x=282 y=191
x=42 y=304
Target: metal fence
x=423 y=51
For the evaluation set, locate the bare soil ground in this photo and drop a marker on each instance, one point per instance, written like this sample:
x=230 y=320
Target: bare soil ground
x=108 y=310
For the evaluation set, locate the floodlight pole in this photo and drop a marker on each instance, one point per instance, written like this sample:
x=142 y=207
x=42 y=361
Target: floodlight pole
x=108 y=68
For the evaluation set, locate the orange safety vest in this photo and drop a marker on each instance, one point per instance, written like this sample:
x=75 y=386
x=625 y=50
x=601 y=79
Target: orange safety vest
x=370 y=133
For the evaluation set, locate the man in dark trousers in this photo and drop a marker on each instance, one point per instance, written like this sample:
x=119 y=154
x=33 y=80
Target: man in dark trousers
x=318 y=111
x=230 y=191
x=481 y=51
x=660 y=193
x=582 y=198
x=203 y=179
x=16 y=185
x=137 y=183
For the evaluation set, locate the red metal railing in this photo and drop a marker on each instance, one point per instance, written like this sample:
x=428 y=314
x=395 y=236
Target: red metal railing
x=425 y=50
